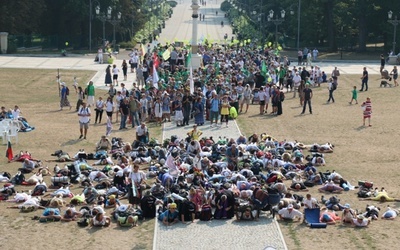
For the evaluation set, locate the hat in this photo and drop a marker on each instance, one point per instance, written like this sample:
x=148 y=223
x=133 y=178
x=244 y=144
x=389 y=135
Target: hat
x=111 y=197
x=62 y=83
x=111 y=173
x=347 y=205
x=360 y=217
x=290 y=206
x=120 y=173
x=172 y=205
x=99 y=209
x=157 y=148
x=123 y=208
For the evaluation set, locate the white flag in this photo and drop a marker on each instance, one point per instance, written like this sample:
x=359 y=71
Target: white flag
x=155 y=77
x=191 y=81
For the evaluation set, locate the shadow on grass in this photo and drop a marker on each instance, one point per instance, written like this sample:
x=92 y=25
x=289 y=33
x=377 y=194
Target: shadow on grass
x=70 y=142
x=359 y=128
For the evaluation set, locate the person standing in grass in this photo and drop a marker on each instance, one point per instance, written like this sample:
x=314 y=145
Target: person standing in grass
x=367 y=111
x=89 y=91
x=84 y=119
x=354 y=94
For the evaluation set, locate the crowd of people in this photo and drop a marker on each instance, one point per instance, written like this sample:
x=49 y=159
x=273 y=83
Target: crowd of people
x=195 y=177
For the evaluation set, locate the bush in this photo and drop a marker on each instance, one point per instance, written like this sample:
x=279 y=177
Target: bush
x=110 y=60
x=225 y=6
x=12 y=46
x=172 y=3
x=127 y=45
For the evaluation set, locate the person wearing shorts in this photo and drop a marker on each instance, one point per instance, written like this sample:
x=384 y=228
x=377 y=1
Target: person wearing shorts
x=84 y=119
x=115 y=71
x=246 y=98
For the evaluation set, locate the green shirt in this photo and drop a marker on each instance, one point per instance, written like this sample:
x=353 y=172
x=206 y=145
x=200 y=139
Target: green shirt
x=90 y=90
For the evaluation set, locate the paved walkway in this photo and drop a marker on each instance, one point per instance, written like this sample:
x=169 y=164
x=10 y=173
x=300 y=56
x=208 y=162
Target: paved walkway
x=216 y=234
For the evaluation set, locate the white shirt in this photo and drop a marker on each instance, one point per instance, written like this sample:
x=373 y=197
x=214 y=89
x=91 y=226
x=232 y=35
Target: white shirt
x=137 y=177
x=109 y=106
x=100 y=104
x=144 y=103
x=86 y=115
x=310 y=203
x=287 y=214
x=297 y=80
x=141 y=131
x=115 y=71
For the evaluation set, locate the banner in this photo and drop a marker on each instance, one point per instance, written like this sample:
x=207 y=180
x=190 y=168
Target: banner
x=9 y=152
x=155 y=77
x=191 y=81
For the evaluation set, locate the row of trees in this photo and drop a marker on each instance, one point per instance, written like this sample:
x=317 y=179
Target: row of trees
x=332 y=24
x=68 y=20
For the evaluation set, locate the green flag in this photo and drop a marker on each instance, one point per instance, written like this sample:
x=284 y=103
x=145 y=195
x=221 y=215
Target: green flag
x=216 y=68
x=264 y=69
x=188 y=59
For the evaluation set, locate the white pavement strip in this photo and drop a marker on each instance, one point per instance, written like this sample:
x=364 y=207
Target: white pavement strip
x=220 y=234
x=232 y=131
x=216 y=234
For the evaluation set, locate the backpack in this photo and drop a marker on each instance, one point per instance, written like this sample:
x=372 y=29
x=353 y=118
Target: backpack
x=18 y=179
x=206 y=213
x=282 y=96
x=148 y=206
x=67 y=91
x=334 y=85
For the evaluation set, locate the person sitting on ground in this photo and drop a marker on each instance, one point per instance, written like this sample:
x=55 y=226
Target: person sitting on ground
x=70 y=214
x=328 y=217
x=27 y=166
x=103 y=144
x=247 y=214
x=32 y=201
x=298 y=184
x=100 y=220
x=21 y=156
x=310 y=202
x=289 y=213
x=169 y=216
x=360 y=221
x=124 y=217
x=348 y=214
x=390 y=213
x=112 y=202
x=50 y=214
x=330 y=187
x=381 y=196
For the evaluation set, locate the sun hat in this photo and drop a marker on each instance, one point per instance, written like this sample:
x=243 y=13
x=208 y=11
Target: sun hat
x=290 y=206
x=347 y=205
x=360 y=217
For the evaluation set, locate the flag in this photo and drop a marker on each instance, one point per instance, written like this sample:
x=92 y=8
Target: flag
x=166 y=54
x=191 y=81
x=188 y=59
x=142 y=50
x=216 y=68
x=109 y=126
x=155 y=77
x=263 y=69
x=9 y=152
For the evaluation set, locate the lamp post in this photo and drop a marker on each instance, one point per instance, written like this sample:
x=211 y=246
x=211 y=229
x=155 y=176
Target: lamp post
x=90 y=22
x=394 y=22
x=114 y=21
x=195 y=58
x=103 y=18
x=277 y=21
x=298 y=25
